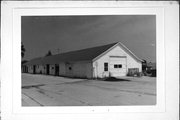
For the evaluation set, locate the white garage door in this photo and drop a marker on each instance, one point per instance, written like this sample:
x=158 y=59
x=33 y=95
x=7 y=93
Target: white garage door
x=117 y=66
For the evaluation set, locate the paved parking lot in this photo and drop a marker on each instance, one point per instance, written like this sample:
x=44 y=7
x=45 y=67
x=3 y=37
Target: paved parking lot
x=43 y=90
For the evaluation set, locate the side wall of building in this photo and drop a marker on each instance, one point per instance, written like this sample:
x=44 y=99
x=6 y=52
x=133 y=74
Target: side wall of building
x=82 y=69
x=40 y=69
x=62 y=69
x=52 y=69
x=76 y=69
x=30 y=69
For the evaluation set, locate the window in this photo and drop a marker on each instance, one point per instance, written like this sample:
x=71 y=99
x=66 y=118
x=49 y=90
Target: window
x=117 y=65
x=70 y=68
x=105 y=66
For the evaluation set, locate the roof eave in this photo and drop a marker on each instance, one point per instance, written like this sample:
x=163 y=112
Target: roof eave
x=104 y=52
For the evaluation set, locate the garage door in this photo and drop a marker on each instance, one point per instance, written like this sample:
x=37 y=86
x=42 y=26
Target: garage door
x=117 y=66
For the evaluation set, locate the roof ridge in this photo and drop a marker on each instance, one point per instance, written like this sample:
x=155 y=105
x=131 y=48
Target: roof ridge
x=81 y=54
x=88 y=48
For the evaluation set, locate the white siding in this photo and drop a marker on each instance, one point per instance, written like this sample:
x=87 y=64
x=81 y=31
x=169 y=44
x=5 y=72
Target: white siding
x=82 y=69
x=43 y=69
x=69 y=69
x=30 y=69
x=40 y=69
x=98 y=65
x=62 y=69
x=89 y=70
x=78 y=69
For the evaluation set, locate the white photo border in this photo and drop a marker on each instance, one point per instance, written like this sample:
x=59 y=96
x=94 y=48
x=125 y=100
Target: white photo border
x=85 y=11
x=12 y=34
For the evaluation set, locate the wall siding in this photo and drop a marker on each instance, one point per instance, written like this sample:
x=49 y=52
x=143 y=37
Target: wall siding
x=89 y=69
x=82 y=69
x=40 y=69
x=79 y=69
x=98 y=65
x=30 y=69
x=62 y=69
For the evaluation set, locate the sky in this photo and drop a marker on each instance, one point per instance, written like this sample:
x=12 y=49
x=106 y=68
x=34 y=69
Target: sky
x=68 y=33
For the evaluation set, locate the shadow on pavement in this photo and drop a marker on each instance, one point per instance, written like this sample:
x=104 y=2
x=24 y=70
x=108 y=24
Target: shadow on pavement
x=32 y=86
x=113 y=79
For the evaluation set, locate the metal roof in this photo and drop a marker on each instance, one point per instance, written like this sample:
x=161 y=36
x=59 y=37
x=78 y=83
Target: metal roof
x=73 y=56
x=88 y=54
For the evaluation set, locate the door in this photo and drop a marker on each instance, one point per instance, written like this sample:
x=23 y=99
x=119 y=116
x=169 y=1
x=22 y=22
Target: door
x=69 y=69
x=26 y=69
x=118 y=66
x=34 y=69
x=47 y=69
x=57 y=70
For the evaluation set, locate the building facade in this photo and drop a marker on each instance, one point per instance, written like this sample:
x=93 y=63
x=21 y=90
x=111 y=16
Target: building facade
x=112 y=60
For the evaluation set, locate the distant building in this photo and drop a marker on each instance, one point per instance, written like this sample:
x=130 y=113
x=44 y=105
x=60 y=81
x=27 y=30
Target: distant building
x=151 y=67
x=97 y=62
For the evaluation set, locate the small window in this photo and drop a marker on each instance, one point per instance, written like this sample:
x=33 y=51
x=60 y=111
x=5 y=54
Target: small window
x=118 y=66
x=115 y=66
x=52 y=67
x=70 y=68
x=105 y=66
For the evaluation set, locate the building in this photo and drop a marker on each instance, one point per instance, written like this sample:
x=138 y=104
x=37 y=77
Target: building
x=98 y=62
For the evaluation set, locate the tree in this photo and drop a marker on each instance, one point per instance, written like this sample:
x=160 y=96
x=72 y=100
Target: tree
x=49 y=53
x=144 y=65
x=22 y=50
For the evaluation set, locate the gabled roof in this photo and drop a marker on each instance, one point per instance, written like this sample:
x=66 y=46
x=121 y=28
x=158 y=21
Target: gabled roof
x=88 y=54
x=79 y=55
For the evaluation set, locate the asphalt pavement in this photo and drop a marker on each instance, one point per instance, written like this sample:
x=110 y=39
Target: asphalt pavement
x=43 y=90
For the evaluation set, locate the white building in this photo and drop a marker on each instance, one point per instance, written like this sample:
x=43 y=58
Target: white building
x=103 y=61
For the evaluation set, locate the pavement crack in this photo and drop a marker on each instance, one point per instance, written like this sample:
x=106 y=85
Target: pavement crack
x=32 y=86
x=75 y=82
x=40 y=89
x=32 y=99
x=115 y=89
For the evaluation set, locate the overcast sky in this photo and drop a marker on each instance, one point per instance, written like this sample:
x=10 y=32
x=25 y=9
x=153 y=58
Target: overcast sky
x=68 y=33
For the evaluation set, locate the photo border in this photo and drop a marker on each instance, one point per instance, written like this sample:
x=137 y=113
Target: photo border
x=16 y=10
